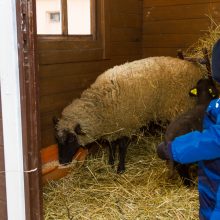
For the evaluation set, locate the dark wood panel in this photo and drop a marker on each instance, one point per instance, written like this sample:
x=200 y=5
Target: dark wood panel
x=47 y=137
x=125 y=48
x=66 y=83
x=3 y=210
x=2 y=186
x=152 y=3
x=181 y=11
x=126 y=34
x=124 y=20
x=67 y=56
x=148 y=52
x=128 y=6
x=3 y=205
x=44 y=45
x=57 y=101
x=187 y=26
x=69 y=69
x=2 y=163
x=47 y=117
x=169 y=40
x=1 y=132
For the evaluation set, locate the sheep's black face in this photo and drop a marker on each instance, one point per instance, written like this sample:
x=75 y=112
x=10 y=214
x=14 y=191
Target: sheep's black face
x=67 y=147
x=205 y=90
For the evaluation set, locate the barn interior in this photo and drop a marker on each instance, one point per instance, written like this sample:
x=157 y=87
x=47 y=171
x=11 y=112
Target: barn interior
x=81 y=41
x=76 y=41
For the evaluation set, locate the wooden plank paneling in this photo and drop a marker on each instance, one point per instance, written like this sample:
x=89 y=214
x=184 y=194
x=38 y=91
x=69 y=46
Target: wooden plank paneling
x=2 y=186
x=1 y=133
x=126 y=48
x=169 y=40
x=3 y=205
x=56 y=101
x=73 y=82
x=178 y=12
x=187 y=26
x=172 y=24
x=126 y=34
x=69 y=69
x=3 y=210
x=124 y=20
x=128 y=7
x=154 y=51
x=65 y=44
x=68 y=56
x=153 y=3
x=47 y=137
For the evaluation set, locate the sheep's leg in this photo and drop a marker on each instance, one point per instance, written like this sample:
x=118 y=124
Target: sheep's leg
x=183 y=171
x=123 y=145
x=112 y=150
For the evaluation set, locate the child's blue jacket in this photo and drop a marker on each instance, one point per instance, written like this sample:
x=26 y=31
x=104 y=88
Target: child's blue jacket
x=204 y=148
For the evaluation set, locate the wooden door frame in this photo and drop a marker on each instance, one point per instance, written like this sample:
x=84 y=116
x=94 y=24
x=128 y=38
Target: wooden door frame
x=29 y=85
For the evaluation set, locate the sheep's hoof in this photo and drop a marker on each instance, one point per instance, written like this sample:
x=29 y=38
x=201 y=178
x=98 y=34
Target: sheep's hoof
x=187 y=182
x=120 y=170
x=111 y=162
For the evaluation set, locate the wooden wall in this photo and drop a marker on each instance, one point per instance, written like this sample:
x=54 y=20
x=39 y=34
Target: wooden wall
x=172 y=24
x=3 y=206
x=62 y=80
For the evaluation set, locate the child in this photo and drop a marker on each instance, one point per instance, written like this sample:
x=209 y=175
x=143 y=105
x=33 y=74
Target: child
x=204 y=148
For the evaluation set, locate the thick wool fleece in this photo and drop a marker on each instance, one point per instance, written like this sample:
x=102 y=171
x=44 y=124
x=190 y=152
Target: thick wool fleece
x=126 y=97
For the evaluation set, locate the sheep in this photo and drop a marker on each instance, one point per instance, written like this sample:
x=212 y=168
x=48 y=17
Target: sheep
x=191 y=120
x=122 y=100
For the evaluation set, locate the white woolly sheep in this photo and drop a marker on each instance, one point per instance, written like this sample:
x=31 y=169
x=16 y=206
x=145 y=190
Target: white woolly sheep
x=191 y=120
x=122 y=100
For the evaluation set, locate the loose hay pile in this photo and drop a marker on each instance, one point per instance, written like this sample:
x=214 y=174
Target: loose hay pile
x=206 y=41
x=94 y=191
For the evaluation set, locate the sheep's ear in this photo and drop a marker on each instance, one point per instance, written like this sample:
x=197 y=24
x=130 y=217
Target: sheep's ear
x=78 y=130
x=212 y=93
x=193 y=92
x=55 y=120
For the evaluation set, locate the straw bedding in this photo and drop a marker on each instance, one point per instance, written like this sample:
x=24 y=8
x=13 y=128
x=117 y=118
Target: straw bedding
x=94 y=191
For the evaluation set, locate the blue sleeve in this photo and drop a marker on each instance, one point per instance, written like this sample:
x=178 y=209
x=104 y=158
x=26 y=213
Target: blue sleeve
x=196 y=146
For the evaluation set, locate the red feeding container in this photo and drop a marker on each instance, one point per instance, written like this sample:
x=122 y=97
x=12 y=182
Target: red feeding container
x=51 y=169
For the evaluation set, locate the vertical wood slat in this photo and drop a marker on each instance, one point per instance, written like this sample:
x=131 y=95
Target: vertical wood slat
x=93 y=7
x=26 y=20
x=3 y=199
x=64 y=17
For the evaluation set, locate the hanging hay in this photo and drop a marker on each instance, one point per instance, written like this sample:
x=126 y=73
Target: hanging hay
x=95 y=191
x=206 y=41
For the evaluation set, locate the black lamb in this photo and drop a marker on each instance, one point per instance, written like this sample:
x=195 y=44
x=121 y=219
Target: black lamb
x=205 y=91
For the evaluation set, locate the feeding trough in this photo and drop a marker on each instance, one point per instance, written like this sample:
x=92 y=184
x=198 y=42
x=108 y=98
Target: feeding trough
x=51 y=169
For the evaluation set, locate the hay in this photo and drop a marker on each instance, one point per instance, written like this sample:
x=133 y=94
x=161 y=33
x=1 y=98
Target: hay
x=95 y=191
x=211 y=35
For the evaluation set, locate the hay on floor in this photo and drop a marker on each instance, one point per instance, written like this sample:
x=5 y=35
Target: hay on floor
x=95 y=191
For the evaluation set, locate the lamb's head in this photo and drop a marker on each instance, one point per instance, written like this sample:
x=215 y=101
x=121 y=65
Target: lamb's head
x=67 y=142
x=205 y=90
